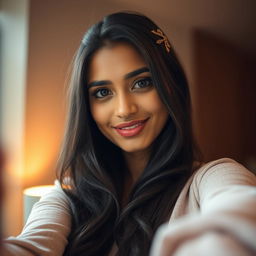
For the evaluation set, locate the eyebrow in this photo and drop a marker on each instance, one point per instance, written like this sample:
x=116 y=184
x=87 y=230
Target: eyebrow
x=127 y=76
x=136 y=72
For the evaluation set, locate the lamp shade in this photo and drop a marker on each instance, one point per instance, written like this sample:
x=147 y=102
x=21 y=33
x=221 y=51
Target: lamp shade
x=31 y=196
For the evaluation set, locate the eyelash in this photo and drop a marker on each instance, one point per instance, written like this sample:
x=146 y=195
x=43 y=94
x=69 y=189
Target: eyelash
x=145 y=79
x=96 y=92
x=148 y=81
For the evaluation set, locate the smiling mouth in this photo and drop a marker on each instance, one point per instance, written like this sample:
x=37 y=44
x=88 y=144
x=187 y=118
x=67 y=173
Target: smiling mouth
x=132 y=128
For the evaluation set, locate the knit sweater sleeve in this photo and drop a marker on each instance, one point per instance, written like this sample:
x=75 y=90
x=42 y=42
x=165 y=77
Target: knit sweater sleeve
x=46 y=230
x=225 y=223
x=227 y=196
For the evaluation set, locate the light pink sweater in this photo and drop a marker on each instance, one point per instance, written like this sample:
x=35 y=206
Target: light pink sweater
x=220 y=196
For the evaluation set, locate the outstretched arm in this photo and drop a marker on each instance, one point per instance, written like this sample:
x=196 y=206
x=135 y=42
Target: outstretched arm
x=226 y=222
x=46 y=230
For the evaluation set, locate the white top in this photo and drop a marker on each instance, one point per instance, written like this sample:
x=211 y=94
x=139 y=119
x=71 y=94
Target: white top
x=221 y=195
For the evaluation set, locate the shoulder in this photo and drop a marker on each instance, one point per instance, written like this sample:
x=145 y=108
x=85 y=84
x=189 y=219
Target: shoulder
x=224 y=170
x=52 y=208
x=56 y=196
x=222 y=177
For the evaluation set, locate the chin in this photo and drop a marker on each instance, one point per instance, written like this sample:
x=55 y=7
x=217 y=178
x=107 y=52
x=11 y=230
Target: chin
x=134 y=149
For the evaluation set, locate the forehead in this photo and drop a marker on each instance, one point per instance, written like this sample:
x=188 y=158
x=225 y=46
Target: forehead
x=114 y=60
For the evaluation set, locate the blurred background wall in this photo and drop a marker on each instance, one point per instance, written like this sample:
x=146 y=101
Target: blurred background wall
x=215 y=41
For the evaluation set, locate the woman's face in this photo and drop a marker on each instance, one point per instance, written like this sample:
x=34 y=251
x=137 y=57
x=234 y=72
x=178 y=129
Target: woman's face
x=123 y=101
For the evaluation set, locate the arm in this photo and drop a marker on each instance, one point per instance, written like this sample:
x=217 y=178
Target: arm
x=226 y=222
x=46 y=230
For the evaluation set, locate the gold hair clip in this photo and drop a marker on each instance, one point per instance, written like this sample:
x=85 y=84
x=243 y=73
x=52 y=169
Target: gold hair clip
x=164 y=39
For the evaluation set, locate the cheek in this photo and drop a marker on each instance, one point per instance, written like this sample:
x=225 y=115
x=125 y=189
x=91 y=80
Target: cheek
x=102 y=116
x=99 y=113
x=153 y=104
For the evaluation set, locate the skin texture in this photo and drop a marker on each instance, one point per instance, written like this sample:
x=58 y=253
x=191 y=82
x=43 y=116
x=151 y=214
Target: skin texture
x=120 y=100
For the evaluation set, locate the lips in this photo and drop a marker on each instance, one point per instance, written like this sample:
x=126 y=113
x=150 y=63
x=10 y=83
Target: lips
x=132 y=128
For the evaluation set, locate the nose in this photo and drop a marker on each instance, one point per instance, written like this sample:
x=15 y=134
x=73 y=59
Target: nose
x=126 y=106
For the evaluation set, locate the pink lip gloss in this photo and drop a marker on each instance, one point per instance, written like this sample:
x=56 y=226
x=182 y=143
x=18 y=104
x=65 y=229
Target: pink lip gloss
x=131 y=129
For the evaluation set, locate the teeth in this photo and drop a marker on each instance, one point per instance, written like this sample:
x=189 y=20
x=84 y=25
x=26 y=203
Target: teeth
x=130 y=127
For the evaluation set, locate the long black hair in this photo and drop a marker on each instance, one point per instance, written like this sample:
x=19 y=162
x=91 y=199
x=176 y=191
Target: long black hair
x=91 y=168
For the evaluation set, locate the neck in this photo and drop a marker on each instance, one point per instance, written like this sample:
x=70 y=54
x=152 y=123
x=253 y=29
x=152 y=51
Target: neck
x=136 y=163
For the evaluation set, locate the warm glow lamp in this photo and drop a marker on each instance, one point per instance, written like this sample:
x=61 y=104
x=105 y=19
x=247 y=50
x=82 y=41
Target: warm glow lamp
x=31 y=196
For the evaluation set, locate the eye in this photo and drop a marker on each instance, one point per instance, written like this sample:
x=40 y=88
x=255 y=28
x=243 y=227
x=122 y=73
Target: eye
x=143 y=83
x=101 y=93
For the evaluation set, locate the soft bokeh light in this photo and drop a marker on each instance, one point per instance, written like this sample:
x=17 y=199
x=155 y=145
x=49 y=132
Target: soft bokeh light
x=38 y=191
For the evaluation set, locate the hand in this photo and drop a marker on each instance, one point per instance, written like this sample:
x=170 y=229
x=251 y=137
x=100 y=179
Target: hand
x=210 y=243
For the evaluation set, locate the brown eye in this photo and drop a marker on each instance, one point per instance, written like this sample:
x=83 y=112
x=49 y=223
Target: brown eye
x=142 y=83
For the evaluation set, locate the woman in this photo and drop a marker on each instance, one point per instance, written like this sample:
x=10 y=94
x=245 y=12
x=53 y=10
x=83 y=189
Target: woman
x=129 y=162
